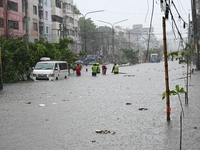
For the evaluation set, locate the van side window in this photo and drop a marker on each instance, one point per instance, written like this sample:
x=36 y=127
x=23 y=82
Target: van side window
x=56 y=66
x=63 y=66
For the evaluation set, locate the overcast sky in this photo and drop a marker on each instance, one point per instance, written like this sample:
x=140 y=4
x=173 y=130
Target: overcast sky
x=136 y=11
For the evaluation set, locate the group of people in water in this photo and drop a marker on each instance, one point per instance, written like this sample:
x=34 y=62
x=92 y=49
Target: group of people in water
x=96 y=69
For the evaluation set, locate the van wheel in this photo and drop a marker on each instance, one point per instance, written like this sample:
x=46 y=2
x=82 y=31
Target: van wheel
x=56 y=78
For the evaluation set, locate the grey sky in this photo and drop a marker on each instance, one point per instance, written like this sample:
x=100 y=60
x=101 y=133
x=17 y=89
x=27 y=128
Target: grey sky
x=136 y=11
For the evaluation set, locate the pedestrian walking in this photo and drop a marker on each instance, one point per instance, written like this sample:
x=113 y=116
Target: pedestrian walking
x=104 y=68
x=94 y=70
x=115 y=69
x=78 y=70
x=98 y=68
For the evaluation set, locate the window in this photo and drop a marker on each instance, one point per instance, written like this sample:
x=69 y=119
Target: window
x=13 y=24
x=58 y=3
x=35 y=40
x=12 y=6
x=1 y=3
x=46 y=15
x=35 y=27
x=40 y=1
x=47 y=30
x=35 y=10
x=62 y=66
x=1 y=22
x=57 y=18
x=41 y=30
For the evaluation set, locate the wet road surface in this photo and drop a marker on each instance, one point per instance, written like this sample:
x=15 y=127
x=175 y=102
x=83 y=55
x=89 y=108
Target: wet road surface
x=65 y=114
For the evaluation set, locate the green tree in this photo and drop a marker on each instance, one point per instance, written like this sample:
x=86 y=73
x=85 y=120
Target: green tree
x=87 y=32
x=131 y=55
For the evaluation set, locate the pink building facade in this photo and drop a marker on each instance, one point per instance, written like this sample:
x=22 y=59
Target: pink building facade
x=11 y=18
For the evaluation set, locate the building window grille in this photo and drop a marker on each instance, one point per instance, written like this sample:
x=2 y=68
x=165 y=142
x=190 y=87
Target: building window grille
x=13 y=24
x=34 y=10
x=12 y=6
x=1 y=3
x=58 y=3
x=35 y=27
x=1 y=22
x=35 y=40
x=46 y=15
x=47 y=30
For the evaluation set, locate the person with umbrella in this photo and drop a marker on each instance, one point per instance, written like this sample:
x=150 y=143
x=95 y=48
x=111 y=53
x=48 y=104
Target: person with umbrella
x=78 y=70
x=104 y=68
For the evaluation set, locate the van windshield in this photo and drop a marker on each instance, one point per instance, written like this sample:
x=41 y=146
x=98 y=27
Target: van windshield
x=44 y=66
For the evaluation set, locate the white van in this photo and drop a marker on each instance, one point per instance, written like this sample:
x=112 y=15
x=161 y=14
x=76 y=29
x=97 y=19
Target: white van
x=50 y=70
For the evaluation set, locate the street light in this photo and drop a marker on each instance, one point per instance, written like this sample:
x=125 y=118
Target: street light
x=113 y=32
x=84 y=16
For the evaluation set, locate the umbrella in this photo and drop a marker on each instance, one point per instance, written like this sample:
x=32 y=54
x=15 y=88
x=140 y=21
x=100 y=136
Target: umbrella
x=93 y=62
x=45 y=58
x=105 y=64
x=78 y=62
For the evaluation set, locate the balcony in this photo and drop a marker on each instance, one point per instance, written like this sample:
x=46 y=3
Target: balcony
x=41 y=23
x=40 y=5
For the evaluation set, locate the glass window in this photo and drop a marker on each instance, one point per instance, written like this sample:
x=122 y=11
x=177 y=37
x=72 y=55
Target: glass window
x=13 y=24
x=12 y=6
x=1 y=22
x=35 y=40
x=35 y=27
x=35 y=10
x=1 y=3
x=58 y=3
x=46 y=14
x=63 y=66
x=47 y=30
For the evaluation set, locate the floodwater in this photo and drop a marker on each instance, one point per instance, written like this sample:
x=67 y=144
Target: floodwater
x=65 y=114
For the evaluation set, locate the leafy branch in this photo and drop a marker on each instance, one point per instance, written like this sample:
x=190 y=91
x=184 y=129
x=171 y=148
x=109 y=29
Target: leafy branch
x=177 y=91
x=178 y=55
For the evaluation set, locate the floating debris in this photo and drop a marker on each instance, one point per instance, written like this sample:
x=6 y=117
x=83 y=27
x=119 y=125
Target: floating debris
x=129 y=75
x=128 y=103
x=195 y=127
x=41 y=105
x=28 y=102
x=93 y=141
x=143 y=109
x=105 y=132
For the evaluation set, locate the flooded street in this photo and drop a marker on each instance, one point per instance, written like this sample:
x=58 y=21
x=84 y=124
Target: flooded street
x=65 y=114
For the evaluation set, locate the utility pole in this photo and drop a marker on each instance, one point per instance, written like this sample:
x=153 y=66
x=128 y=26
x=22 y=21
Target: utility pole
x=195 y=31
x=166 y=69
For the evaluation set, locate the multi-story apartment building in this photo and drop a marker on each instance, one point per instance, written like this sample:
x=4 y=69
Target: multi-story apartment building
x=51 y=19
x=57 y=20
x=70 y=25
x=45 y=21
x=11 y=18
